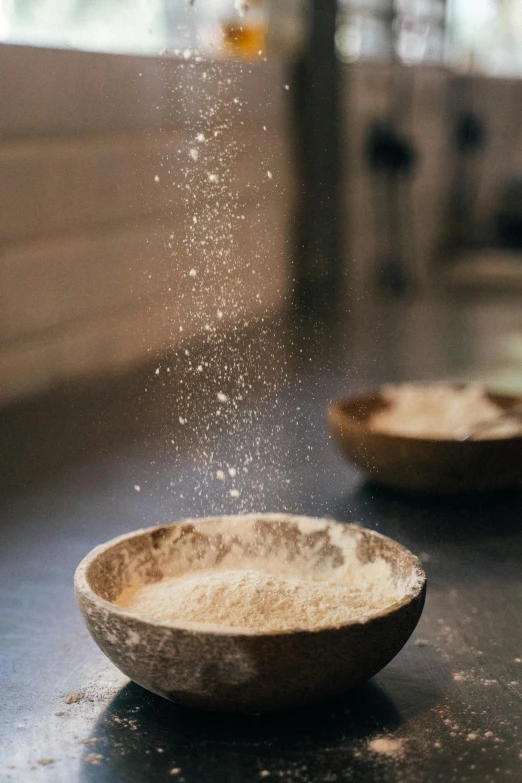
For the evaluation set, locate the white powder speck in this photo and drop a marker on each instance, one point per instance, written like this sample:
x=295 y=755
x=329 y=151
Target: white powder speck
x=93 y=758
x=220 y=314
x=234 y=493
x=421 y=643
x=200 y=137
x=232 y=472
x=137 y=488
x=220 y=475
x=73 y=698
x=176 y=770
x=472 y=736
x=193 y=273
x=269 y=174
x=222 y=397
x=187 y=54
x=386 y=747
x=157 y=371
x=182 y=420
x=213 y=178
x=194 y=154
x=156 y=178
x=287 y=86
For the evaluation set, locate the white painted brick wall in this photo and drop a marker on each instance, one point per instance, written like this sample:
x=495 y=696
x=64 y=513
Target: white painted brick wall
x=85 y=263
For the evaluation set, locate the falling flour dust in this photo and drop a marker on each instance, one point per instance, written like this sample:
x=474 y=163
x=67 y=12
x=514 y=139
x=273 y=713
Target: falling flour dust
x=221 y=177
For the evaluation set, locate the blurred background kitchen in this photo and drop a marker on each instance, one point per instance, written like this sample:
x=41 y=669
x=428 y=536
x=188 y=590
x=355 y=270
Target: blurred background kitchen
x=393 y=139
x=367 y=229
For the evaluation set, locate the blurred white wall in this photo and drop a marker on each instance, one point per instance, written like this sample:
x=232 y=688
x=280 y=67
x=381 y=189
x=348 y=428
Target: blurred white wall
x=93 y=267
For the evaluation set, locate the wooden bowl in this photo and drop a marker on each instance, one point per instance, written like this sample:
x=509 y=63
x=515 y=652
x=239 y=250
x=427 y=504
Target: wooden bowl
x=246 y=671
x=424 y=464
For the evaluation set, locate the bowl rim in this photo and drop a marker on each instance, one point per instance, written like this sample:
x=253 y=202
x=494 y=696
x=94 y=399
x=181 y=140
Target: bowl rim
x=337 y=416
x=84 y=591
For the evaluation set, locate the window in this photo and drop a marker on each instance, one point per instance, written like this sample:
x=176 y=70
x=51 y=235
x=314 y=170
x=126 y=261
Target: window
x=132 y=26
x=470 y=35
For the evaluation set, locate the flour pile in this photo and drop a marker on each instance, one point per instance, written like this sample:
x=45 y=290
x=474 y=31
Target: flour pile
x=253 y=600
x=438 y=411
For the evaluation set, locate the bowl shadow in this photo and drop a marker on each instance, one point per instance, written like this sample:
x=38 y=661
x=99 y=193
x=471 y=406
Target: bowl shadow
x=142 y=736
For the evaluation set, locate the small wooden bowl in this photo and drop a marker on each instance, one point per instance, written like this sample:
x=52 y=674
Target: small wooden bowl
x=245 y=671
x=424 y=464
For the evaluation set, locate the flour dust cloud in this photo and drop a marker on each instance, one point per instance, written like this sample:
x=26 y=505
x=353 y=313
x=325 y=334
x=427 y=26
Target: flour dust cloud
x=221 y=174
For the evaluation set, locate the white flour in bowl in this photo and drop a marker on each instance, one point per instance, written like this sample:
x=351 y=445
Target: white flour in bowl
x=258 y=601
x=438 y=411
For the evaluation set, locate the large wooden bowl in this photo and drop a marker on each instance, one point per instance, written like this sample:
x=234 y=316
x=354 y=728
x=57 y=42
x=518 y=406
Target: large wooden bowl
x=245 y=671
x=424 y=464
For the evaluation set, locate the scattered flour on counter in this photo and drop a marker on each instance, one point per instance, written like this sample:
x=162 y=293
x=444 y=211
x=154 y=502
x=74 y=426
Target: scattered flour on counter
x=461 y=677
x=386 y=747
x=94 y=759
x=254 y=600
x=73 y=698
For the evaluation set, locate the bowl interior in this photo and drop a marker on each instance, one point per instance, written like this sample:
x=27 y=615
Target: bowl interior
x=299 y=547
x=357 y=411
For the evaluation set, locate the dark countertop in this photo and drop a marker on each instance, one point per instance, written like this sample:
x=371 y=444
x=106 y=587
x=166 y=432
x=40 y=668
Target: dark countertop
x=69 y=466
